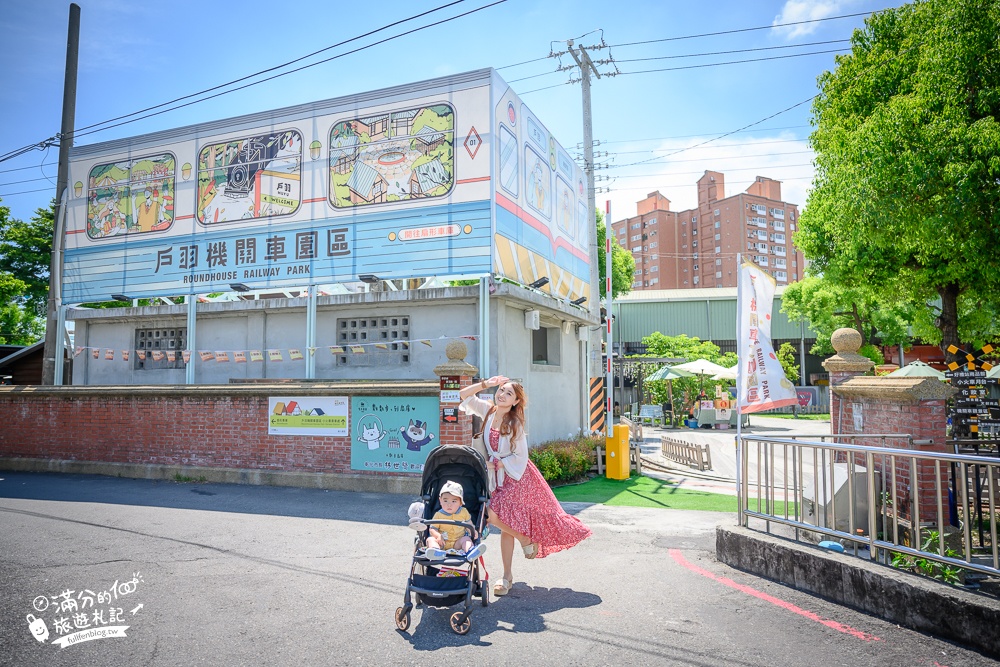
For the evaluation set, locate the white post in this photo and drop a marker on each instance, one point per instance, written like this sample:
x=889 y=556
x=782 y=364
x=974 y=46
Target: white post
x=609 y=379
x=740 y=390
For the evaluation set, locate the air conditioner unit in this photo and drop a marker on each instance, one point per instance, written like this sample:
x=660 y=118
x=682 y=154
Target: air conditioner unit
x=532 y=319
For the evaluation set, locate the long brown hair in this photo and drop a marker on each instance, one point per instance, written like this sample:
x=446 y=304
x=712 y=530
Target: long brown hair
x=513 y=422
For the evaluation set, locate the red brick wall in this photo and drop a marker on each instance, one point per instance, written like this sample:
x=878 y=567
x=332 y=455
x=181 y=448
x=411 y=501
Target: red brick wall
x=226 y=428
x=921 y=420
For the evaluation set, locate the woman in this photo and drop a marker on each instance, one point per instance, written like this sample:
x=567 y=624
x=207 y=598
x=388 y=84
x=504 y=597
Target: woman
x=522 y=505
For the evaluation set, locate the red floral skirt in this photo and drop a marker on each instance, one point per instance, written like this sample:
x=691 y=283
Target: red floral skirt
x=528 y=506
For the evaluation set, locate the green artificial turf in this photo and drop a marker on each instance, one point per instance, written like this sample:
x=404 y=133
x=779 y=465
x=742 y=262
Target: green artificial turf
x=646 y=492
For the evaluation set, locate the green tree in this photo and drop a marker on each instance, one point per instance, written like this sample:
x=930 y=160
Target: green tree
x=907 y=141
x=688 y=348
x=622 y=262
x=828 y=306
x=786 y=356
x=26 y=253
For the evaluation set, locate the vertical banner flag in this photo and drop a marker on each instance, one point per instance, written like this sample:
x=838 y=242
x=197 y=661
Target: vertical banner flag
x=763 y=384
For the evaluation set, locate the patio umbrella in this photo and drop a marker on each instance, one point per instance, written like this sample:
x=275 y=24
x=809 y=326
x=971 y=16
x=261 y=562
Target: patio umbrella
x=728 y=374
x=917 y=369
x=668 y=373
x=701 y=368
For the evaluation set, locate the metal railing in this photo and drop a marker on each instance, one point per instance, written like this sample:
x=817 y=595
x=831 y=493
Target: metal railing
x=894 y=503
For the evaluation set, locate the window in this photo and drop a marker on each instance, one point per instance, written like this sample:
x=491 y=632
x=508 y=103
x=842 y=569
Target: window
x=718 y=274
x=716 y=211
x=791 y=215
x=654 y=269
x=637 y=237
x=651 y=221
x=760 y=209
x=694 y=218
x=694 y=232
x=717 y=224
x=160 y=348
x=791 y=226
x=386 y=330
x=654 y=256
x=779 y=262
x=695 y=279
x=653 y=244
x=718 y=262
x=694 y=244
x=778 y=250
x=545 y=346
x=781 y=275
x=695 y=267
x=778 y=213
x=718 y=237
x=621 y=232
x=654 y=281
x=718 y=249
x=779 y=238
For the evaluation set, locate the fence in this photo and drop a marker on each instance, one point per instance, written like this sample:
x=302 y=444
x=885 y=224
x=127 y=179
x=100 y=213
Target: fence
x=925 y=511
x=695 y=456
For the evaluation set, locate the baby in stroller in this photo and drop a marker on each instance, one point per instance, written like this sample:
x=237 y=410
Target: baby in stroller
x=446 y=537
x=447 y=567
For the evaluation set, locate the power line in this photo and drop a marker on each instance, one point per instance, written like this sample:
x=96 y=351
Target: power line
x=731 y=157
x=701 y=134
x=731 y=32
x=42 y=144
x=731 y=62
x=686 y=173
x=272 y=69
x=718 y=53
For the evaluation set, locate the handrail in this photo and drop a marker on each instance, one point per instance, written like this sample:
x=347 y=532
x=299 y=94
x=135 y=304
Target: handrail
x=885 y=500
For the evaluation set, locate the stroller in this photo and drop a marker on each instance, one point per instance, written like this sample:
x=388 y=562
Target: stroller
x=429 y=579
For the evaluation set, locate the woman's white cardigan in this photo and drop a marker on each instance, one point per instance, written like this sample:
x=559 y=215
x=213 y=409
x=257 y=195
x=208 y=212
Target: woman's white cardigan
x=514 y=459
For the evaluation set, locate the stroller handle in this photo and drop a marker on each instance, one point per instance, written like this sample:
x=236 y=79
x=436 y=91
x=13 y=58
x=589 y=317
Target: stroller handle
x=451 y=522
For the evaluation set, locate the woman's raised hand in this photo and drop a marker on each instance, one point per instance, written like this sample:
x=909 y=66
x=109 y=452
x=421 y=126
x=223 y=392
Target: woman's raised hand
x=497 y=380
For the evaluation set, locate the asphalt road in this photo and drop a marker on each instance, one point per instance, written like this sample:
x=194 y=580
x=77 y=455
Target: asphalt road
x=237 y=575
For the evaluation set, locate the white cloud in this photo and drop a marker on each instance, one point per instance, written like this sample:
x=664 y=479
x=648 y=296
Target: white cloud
x=740 y=159
x=807 y=10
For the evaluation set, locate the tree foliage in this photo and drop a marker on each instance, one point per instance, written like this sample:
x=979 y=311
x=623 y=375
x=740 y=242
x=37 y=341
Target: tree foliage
x=689 y=348
x=786 y=356
x=622 y=262
x=829 y=306
x=906 y=198
x=23 y=289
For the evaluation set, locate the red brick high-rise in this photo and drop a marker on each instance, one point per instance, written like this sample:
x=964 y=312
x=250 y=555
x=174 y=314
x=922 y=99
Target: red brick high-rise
x=698 y=247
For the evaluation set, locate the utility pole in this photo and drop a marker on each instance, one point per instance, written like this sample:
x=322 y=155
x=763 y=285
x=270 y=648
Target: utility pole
x=587 y=66
x=53 y=351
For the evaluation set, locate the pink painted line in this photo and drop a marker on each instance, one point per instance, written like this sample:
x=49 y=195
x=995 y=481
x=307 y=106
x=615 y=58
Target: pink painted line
x=839 y=627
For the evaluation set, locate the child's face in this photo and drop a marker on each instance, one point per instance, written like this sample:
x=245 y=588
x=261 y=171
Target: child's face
x=450 y=503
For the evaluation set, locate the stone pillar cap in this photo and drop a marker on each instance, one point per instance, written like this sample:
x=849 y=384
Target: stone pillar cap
x=847 y=342
x=456 y=364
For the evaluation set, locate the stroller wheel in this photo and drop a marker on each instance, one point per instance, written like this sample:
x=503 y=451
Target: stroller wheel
x=403 y=619
x=458 y=625
x=484 y=588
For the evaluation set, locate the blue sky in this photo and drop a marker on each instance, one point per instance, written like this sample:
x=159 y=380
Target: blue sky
x=135 y=55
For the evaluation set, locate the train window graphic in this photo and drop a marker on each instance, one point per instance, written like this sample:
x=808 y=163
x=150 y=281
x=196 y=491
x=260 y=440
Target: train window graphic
x=250 y=177
x=126 y=197
x=392 y=156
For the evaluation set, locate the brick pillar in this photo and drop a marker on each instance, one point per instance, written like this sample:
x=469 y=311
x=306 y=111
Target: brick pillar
x=911 y=406
x=842 y=366
x=459 y=433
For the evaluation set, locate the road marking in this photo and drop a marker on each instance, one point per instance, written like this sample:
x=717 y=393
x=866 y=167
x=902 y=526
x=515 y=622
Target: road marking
x=839 y=627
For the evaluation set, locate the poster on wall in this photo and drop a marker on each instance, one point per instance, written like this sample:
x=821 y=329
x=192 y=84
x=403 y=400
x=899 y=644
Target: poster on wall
x=393 y=433
x=307 y=415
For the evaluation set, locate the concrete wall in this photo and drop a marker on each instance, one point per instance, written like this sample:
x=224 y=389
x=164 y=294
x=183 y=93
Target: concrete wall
x=556 y=392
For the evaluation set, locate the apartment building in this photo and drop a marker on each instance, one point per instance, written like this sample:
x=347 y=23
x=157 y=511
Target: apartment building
x=698 y=247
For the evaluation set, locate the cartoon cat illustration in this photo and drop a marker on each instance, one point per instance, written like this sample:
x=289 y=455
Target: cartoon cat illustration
x=416 y=435
x=371 y=435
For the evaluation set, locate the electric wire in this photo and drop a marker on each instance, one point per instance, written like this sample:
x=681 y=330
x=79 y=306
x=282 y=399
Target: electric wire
x=106 y=125
x=719 y=53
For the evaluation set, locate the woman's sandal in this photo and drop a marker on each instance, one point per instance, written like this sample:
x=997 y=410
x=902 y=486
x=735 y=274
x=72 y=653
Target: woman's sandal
x=502 y=587
x=530 y=550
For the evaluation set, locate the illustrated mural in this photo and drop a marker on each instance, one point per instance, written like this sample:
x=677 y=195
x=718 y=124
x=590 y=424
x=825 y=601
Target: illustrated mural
x=131 y=196
x=542 y=229
x=392 y=156
x=252 y=177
